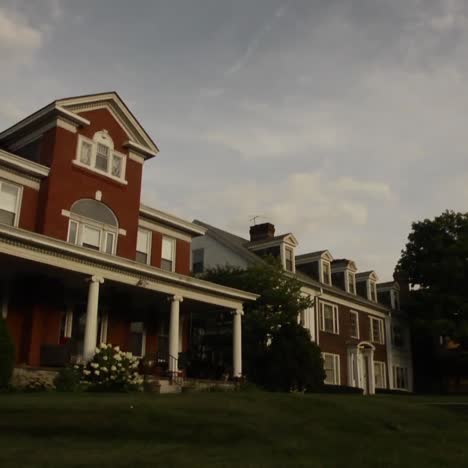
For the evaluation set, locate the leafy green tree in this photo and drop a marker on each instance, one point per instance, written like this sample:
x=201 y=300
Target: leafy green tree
x=279 y=304
x=435 y=264
x=7 y=355
x=293 y=361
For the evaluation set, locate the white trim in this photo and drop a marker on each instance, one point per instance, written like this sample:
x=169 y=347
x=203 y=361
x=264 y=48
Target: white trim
x=19 y=200
x=348 y=272
x=322 y=263
x=62 y=123
x=335 y=316
x=336 y=368
x=149 y=244
x=173 y=252
x=172 y=220
x=293 y=262
x=93 y=262
x=134 y=157
x=314 y=257
x=139 y=149
x=383 y=368
x=159 y=228
x=24 y=165
x=381 y=330
x=356 y=314
x=19 y=179
x=92 y=166
x=104 y=327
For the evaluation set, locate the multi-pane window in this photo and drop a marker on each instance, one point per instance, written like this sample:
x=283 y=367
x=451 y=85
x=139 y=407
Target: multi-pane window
x=380 y=374
x=400 y=378
x=99 y=155
x=351 y=282
x=377 y=330
x=331 y=365
x=168 y=254
x=354 y=324
x=326 y=272
x=198 y=260
x=329 y=318
x=93 y=225
x=289 y=260
x=372 y=291
x=143 y=249
x=9 y=203
x=137 y=339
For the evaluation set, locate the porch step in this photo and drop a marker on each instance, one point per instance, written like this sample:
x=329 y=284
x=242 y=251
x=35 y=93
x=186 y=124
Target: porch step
x=165 y=386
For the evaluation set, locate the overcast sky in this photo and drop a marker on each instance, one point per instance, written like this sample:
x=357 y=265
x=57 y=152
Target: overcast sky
x=341 y=121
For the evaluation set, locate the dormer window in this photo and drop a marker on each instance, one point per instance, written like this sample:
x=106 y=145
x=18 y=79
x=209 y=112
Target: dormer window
x=326 y=272
x=289 y=259
x=351 y=282
x=99 y=155
x=372 y=291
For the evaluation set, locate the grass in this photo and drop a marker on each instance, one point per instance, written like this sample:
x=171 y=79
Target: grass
x=251 y=429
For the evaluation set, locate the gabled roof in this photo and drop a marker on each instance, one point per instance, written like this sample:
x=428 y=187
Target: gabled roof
x=344 y=263
x=388 y=285
x=70 y=108
x=239 y=245
x=314 y=256
x=287 y=238
x=367 y=275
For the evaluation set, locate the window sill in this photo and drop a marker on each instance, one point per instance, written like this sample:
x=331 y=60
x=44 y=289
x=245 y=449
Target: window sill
x=330 y=332
x=101 y=173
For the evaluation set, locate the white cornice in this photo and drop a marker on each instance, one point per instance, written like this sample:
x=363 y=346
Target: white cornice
x=172 y=220
x=23 y=165
x=49 y=246
x=306 y=258
x=141 y=150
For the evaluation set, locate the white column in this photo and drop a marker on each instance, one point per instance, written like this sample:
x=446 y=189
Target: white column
x=389 y=346
x=90 y=336
x=174 y=334
x=237 y=344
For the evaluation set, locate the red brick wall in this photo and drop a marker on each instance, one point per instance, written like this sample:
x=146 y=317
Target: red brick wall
x=29 y=207
x=68 y=183
x=182 y=257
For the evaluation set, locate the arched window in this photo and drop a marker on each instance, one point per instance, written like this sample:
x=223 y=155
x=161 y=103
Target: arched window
x=99 y=155
x=94 y=225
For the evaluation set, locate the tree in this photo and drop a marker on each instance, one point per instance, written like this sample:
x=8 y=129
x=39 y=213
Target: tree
x=279 y=305
x=435 y=264
x=293 y=361
x=7 y=355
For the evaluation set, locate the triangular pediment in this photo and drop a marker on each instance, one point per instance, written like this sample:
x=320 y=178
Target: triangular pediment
x=116 y=106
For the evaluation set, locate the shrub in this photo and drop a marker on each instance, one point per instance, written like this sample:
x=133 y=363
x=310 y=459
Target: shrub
x=33 y=381
x=293 y=362
x=112 y=370
x=68 y=380
x=338 y=389
x=7 y=355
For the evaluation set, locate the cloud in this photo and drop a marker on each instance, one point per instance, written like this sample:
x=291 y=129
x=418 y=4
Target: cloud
x=18 y=39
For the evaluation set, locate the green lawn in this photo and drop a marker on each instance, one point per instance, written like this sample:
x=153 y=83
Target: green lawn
x=231 y=429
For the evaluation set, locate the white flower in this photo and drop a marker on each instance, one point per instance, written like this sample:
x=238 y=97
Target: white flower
x=117 y=348
x=76 y=367
x=117 y=357
x=86 y=372
x=113 y=368
x=104 y=358
x=103 y=346
x=129 y=355
x=97 y=351
x=96 y=372
x=104 y=369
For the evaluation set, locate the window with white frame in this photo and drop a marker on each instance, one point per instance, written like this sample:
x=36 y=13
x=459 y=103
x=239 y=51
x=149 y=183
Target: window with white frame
x=99 y=155
x=329 y=318
x=137 y=339
x=289 y=259
x=143 y=250
x=168 y=254
x=326 y=272
x=93 y=225
x=400 y=378
x=398 y=338
x=351 y=279
x=377 y=330
x=331 y=366
x=372 y=291
x=354 y=324
x=380 y=374
x=10 y=195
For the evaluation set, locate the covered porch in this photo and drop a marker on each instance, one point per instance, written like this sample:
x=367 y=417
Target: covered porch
x=60 y=301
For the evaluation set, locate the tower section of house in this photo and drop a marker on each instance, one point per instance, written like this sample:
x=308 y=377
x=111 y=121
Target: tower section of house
x=347 y=320
x=83 y=260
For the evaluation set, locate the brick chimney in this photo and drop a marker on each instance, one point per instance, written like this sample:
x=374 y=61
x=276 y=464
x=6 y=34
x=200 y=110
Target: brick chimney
x=262 y=231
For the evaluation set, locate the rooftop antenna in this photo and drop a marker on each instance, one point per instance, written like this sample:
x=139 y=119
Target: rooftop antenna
x=254 y=218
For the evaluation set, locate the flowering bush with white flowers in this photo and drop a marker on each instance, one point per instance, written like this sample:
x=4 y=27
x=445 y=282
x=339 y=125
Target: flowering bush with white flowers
x=112 y=370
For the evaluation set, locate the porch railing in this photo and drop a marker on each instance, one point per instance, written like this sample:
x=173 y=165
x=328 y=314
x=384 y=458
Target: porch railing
x=175 y=376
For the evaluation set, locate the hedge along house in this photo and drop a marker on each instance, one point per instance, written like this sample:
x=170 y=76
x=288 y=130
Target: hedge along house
x=358 y=324
x=82 y=260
